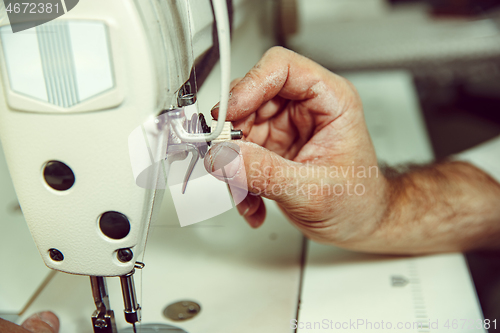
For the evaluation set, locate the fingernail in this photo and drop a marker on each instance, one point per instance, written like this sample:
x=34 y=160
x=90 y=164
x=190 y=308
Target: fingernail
x=224 y=160
x=35 y=323
x=50 y=319
x=243 y=207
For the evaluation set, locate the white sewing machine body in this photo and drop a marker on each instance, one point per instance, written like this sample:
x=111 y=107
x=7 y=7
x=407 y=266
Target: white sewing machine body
x=72 y=91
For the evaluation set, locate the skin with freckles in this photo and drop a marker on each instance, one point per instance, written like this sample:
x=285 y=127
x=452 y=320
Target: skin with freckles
x=302 y=122
x=43 y=322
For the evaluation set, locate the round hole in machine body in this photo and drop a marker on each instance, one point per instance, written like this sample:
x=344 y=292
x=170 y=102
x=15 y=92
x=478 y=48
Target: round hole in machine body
x=58 y=175
x=114 y=225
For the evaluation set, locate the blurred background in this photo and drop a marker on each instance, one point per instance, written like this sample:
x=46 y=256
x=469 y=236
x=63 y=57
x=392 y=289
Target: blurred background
x=451 y=48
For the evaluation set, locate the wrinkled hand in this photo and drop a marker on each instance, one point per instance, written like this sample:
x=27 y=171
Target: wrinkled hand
x=306 y=146
x=43 y=322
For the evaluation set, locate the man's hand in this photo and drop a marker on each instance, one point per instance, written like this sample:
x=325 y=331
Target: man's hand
x=319 y=163
x=43 y=322
x=308 y=148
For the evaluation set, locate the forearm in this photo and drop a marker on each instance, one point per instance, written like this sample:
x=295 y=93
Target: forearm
x=452 y=206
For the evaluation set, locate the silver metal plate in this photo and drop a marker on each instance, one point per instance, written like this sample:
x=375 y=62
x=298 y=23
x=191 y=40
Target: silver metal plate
x=182 y=310
x=154 y=328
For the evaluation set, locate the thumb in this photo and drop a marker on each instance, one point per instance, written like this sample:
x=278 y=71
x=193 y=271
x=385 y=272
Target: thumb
x=261 y=171
x=42 y=322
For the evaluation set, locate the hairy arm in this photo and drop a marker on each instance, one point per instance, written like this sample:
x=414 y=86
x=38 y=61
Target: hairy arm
x=450 y=206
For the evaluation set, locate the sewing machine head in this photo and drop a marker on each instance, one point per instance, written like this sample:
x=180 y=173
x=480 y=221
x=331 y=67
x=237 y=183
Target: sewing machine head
x=73 y=91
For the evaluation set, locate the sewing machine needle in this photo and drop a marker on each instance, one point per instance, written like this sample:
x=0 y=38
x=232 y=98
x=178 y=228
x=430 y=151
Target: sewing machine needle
x=133 y=326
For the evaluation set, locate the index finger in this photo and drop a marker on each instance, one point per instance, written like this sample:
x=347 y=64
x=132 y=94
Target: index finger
x=291 y=76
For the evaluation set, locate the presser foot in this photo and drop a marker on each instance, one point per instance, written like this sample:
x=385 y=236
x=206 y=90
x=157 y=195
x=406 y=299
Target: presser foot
x=103 y=318
x=104 y=323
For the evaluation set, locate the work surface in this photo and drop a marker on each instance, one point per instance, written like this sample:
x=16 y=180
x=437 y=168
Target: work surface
x=252 y=280
x=356 y=292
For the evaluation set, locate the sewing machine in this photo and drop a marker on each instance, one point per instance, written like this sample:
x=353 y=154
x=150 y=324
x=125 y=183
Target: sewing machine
x=77 y=94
